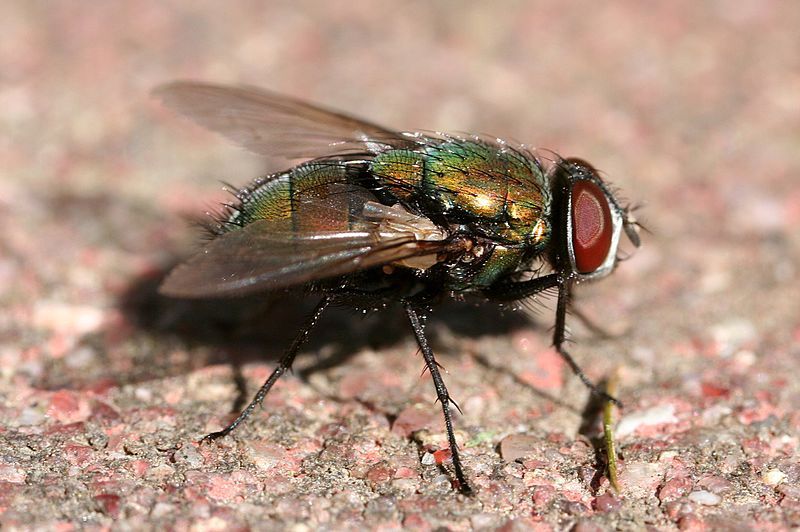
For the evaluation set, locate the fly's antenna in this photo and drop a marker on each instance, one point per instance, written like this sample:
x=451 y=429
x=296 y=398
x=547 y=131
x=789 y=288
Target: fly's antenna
x=631 y=225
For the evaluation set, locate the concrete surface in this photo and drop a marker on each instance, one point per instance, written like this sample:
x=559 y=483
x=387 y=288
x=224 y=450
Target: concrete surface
x=690 y=108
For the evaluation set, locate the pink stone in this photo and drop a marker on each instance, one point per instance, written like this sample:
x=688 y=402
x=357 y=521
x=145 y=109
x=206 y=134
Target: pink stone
x=654 y=418
x=267 y=456
x=762 y=411
x=547 y=372
x=640 y=479
x=67 y=407
x=712 y=390
x=674 y=489
x=216 y=486
x=516 y=446
x=414 y=418
x=102 y=411
x=405 y=472
x=606 y=503
x=380 y=473
x=674 y=509
x=277 y=483
x=692 y=523
x=102 y=386
x=587 y=526
x=715 y=484
x=442 y=455
x=534 y=464
x=542 y=495
x=12 y=474
x=354 y=384
x=8 y=492
x=78 y=455
x=140 y=467
x=526 y=524
x=415 y=522
x=109 y=503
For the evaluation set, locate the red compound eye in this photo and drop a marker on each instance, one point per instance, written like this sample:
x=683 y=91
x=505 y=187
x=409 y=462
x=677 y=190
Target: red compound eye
x=591 y=226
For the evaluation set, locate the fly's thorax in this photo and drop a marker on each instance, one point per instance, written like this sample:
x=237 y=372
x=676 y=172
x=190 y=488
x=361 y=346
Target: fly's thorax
x=401 y=172
x=501 y=262
x=499 y=191
x=468 y=178
x=529 y=217
x=482 y=266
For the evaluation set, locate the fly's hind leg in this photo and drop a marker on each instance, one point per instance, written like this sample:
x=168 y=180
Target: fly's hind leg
x=441 y=394
x=284 y=365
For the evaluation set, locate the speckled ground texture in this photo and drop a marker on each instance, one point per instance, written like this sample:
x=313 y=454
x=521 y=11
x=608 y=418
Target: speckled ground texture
x=691 y=108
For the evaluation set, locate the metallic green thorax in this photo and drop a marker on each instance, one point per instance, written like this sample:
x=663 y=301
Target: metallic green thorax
x=480 y=188
x=500 y=190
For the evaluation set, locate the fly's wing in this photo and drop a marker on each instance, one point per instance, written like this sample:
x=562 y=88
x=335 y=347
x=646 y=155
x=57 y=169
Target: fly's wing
x=275 y=125
x=257 y=258
x=322 y=226
x=277 y=253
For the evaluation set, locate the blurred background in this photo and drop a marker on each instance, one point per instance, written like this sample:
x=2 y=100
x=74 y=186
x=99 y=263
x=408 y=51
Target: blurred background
x=691 y=108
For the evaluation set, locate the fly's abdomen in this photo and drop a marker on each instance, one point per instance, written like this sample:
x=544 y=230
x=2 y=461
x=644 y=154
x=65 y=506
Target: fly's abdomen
x=316 y=196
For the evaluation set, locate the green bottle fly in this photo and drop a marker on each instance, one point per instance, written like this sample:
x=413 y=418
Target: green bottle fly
x=371 y=216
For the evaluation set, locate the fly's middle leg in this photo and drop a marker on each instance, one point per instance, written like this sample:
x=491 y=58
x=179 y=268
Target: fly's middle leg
x=441 y=394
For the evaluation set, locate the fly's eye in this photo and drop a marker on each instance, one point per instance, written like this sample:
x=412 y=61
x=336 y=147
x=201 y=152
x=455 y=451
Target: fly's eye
x=591 y=226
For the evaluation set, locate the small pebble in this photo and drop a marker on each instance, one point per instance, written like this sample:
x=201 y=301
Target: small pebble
x=485 y=521
x=98 y=440
x=658 y=415
x=606 y=503
x=773 y=477
x=189 y=456
x=732 y=334
x=442 y=455
x=30 y=416
x=145 y=395
x=12 y=474
x=441 y=482
x=705 y=498
x=518 y=446
x=414 y=418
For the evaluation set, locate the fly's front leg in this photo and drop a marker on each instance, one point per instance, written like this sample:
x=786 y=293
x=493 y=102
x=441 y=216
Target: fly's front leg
x=559 y=338
x=522 y=289
x=284 y=365
x=441 y=394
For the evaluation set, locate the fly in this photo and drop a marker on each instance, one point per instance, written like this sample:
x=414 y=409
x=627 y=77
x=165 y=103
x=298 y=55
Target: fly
x=372 y=216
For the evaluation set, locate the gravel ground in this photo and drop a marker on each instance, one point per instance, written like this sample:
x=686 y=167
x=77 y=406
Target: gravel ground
x=691 y=108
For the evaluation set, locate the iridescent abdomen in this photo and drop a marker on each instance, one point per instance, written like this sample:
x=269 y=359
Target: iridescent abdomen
x=312 y=196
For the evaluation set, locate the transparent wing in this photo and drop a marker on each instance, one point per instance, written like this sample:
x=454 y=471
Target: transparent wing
x=271 y=254
x=272 y=124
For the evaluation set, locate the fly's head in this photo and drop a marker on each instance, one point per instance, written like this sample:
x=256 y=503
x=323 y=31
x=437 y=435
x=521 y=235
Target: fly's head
x=592 y=220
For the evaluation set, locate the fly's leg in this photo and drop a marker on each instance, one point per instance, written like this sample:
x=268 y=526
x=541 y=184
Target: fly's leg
x=441 y=394
x=559 y=338
x=284 y=365
x=523 y=289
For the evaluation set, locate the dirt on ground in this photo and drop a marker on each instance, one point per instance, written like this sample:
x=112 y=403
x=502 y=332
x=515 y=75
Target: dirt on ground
x=691 y=109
